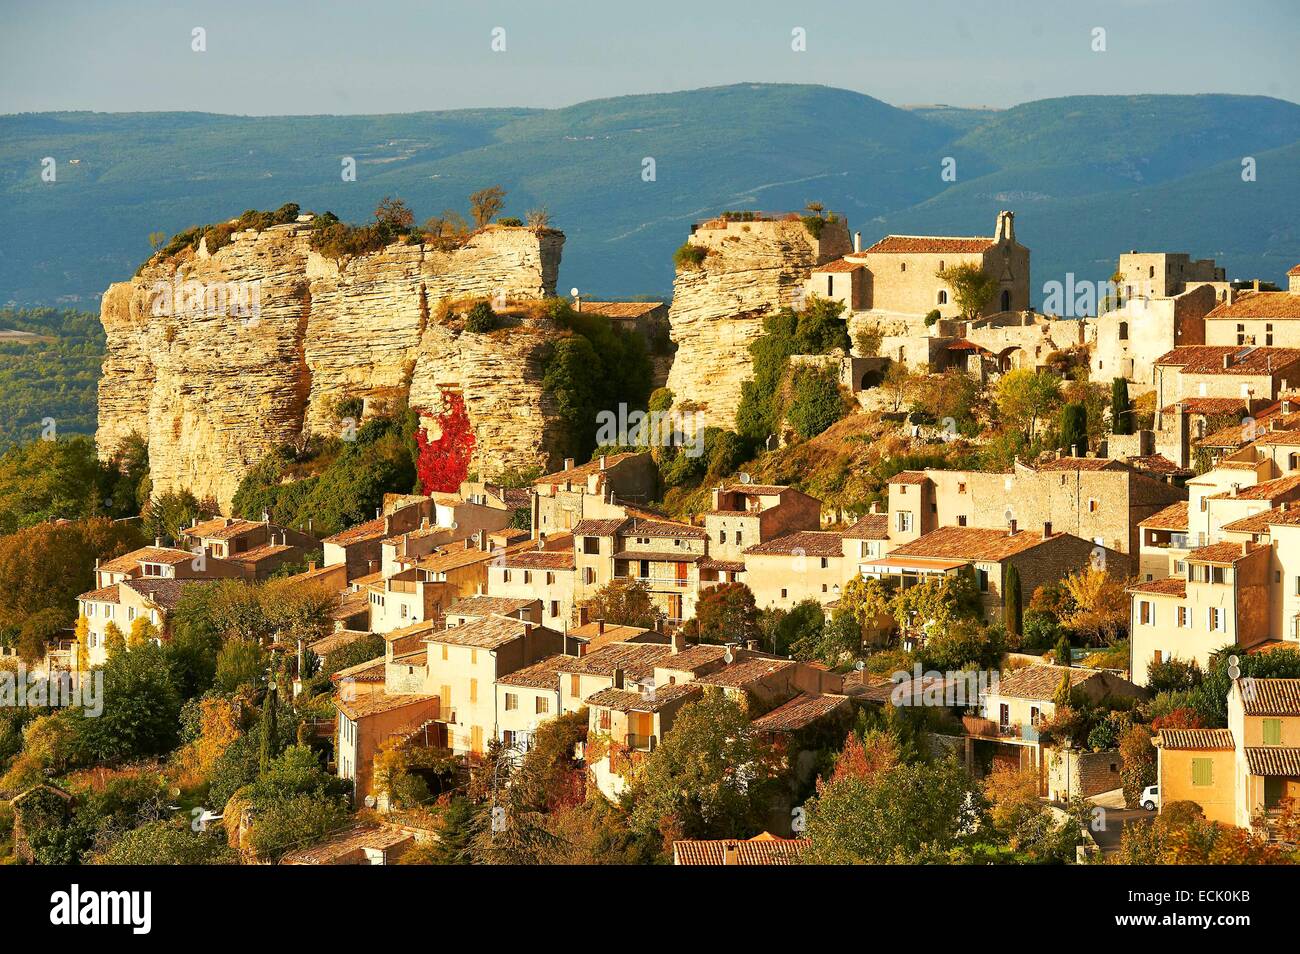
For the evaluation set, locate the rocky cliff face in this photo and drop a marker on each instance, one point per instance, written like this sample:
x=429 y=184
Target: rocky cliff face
x=718 y=308
x=219 y=358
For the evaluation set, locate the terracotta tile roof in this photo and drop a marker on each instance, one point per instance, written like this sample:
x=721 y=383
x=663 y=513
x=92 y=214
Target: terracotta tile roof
x=1157 y=464
x=761 y=490
x=870 y=526
x=1173 y=517
x=626 y=700
x=1225 y=553
x=595 y=638
x=621 y=309
x=599 y=528
x=162 y=593
x=1208 y=359
x=1083 y=463
x=637 y=660
x=971 y=543
x=694 y=659
x=454 y=560
x=1208 y=405
x=336 y=640
x=538 y=560
x=909 y=477
x=809 y=542
x=1293 y=270
x=930 y=244
x=372 y=670
x=402 y=632
x=839 y=265
x=1253 y=304
x=731 y=566
x=491 y=632
x=1273 y=760
x=663 y=529
x=1281 y=436
x=1271 y=697
x=487 y=606
x=762 y=850
x=540 y=675
x=130 y=561
x=219 y=529
x=1218 y=739
x=258 y=554
x=800 y=712
x=346 y=844
x=1169 y=586
x=747 y=672
x=1267 y=490
x=1260 y=522
x=580 y=473
x=105 y=594
x=373 y=703
x=1040 y=682
x=363 y=532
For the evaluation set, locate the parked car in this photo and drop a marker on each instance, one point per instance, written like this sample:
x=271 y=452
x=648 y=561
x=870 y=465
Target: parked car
x=1150 y=799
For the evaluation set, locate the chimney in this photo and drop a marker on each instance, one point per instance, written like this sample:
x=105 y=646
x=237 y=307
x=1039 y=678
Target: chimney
x=194 y=522
x=1227 y=361
x=1047 y=529
x=1255 y=285
x=1245 y=548
x=1230 y=295
x=370 y=567
x=678 y=642
x=875 y=507
x=568 y=463
x=311 y=566
x=752 y=645
x=582 y=649
x=528 y=629
x=1011 y=527
x=618 y=678
x=157 y=541
x=857 y=241
x=730 y=853
x=582 y=615
x=600 y=627
x=602 y=461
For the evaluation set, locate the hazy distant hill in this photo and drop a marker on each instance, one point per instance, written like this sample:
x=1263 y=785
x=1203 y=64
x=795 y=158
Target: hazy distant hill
x=1088 y=176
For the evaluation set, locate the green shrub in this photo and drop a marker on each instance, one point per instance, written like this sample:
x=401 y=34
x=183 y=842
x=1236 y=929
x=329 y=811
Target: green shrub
x=689 y=256
x=816 y=401
x=481 y=318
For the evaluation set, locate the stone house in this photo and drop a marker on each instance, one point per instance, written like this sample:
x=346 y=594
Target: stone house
x=259 y=547
x=1224 y=371
x=804 y=565
x=742 y=515
x=1254 y=318
x=564 y=498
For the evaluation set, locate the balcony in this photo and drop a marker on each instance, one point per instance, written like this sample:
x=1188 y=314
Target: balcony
x=988 y=729
x=640 y=743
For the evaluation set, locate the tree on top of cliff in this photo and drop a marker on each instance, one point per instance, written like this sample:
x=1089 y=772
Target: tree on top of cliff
x=486 y=204
x=394 y=213
x=444 y=461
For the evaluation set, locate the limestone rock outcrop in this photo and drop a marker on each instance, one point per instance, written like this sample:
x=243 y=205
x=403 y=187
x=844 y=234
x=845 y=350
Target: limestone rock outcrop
x=218 y=358
x=749 y=269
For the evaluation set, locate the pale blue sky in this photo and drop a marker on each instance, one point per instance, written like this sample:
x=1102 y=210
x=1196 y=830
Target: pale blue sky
x=274 y=57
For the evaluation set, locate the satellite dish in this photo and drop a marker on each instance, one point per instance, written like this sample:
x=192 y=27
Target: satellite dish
x=746 y=479
x=455 y=525
x=860 y=665
x=174 y=791
x=574 y=292
x=370 y=801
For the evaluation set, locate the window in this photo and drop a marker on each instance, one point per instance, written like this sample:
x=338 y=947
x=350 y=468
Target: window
x=830 y=285
x=722 y=536
x=602 y=720
x=588 y=575
x=575 y=685
x=783 y=592
x=982 y=576
x=1272 y=731
x=550 y=578
x=1202 y=772
x=543 y=705
x=961 y=488
x=591 y=545
x=1092 y=506
x=1215 y=618
x=404 y=611
x=902 y=266
x=473 y=691
x=1123 y=331
x=1146 y=613
x=825 y=563
x=737 y=538
x=473 y=657
x=904 y=521
x=1183 y=616
x=555 y=608
x=943 y=297
x=1216 y=574
x=130 y=613
x=1158 y=657
x=512 y=701
x=961 y=520
x=528 y=576
x=505 y=576
x=444 y=652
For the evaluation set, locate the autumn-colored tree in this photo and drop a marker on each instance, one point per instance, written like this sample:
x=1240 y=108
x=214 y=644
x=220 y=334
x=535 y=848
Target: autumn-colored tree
x=1138 y=763
x=218 y=728
x=972 y=287
x=83 y=644
x=114 y=639
x=394 y=213
x=626 y=602
x=142 y=631
x=486 y=204
x=726 y=613
x=865 y=757
x=1101 y=605
x=1025 y=397
x=1181 y=835
x=443 y=462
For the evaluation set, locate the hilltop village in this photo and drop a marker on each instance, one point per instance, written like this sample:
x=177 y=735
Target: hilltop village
x=436 y=566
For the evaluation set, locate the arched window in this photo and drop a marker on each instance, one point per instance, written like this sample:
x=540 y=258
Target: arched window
x=943 y=297
x=1123 y=331
x=1006 y=301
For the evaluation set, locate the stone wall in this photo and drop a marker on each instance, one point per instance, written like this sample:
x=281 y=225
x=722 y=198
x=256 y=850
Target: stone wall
x=213 y=389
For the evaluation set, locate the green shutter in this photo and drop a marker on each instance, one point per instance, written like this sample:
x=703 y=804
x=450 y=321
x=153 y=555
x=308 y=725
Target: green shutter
x=1272 y=731
x=1202 y=771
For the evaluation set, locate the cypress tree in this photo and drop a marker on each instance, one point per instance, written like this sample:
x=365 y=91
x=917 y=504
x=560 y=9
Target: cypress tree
x=268 y=752
x=1121 y=418
x=1074 y=428
x=1011 y=601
